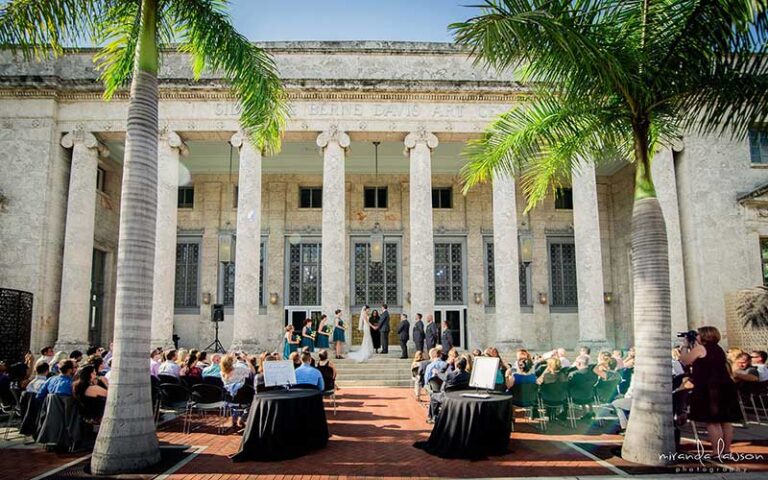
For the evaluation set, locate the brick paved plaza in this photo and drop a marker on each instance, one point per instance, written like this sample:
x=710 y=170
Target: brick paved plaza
x=372 y=436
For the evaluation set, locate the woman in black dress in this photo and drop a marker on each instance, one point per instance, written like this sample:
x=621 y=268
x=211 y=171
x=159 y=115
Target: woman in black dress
x=375 y=331
x=714 y=400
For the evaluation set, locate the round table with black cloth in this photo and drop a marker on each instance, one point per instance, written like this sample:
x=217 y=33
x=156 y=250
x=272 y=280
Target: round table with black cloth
x=283 y=425
x=471 y=428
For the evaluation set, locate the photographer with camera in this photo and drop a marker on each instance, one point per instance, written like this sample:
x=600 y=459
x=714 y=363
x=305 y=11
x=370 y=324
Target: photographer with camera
x=714 y=400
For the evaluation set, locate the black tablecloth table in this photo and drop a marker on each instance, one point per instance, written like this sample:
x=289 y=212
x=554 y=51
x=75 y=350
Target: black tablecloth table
x=283 y=425
x=471 y=428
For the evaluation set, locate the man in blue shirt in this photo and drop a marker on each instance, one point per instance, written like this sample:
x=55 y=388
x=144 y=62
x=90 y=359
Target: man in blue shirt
x=307 y=374
x=60 y=384
x=436 y=366
x=214 y=370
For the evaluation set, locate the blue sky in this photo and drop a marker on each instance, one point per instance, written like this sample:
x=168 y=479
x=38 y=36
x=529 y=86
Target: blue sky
x=415 y=20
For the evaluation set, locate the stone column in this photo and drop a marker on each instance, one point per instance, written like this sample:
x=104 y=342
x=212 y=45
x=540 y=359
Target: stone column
x=421 y=245
x=663 y=171
x=246 y=332
x=334 y=254
x=506 y=263
x=78 y=241
x=589 y=259
x=169 y=149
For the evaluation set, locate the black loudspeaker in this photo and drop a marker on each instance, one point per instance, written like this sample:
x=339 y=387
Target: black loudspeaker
x=218 y=313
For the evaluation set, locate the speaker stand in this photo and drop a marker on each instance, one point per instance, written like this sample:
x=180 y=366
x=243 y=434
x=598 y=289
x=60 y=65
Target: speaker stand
x=216 y=345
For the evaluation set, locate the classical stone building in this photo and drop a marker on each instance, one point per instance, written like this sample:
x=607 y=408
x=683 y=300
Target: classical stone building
x=362 y=205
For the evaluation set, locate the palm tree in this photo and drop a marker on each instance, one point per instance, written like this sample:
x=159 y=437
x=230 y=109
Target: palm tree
x=620 y=79
x=130 y=32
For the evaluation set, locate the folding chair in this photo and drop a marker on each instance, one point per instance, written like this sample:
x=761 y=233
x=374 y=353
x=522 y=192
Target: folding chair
x=552 y=397
x=206 y=398
x=173 y=398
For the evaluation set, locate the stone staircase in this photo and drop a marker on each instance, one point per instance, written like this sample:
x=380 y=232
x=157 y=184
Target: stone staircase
x=379 y=371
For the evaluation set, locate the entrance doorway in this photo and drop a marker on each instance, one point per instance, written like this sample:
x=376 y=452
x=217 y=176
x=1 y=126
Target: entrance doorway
x=96 y=315
x=455 y=316
x=296 y=316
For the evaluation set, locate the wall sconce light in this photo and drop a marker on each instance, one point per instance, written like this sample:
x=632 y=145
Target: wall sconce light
x=377 y=244
x=206 y=298
x=273 y=297
x=408 y=297
x=478 y=297
x=608 y=297
x=526 y=249
x=226 y=247
x=543 y=298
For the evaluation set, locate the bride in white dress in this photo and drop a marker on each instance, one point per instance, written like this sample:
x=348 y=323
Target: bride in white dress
x=366 y=348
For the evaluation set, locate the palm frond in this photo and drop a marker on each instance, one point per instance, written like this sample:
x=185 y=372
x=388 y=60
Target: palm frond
x=119 y=31
x=542 y=142
x=752 y=307
x=38 y=28
x=209 y=37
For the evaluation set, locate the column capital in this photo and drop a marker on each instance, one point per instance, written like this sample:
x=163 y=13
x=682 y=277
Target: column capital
x=87 y=139
x=333 y=134
x=174 y=141
x=238 y=138
x=421 y=135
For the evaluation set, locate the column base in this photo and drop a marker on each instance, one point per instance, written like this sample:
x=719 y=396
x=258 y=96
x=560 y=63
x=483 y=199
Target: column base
x=71 y=345
x=250 y=346
x=165 y=344
x=508 y=348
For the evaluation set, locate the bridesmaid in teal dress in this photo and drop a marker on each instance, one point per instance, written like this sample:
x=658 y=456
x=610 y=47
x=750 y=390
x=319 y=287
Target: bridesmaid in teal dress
x=323 y=333
x=339 y=338
x=290 y=344
x=308 y=336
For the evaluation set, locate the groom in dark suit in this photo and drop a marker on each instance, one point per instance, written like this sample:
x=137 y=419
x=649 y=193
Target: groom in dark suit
x=384 y=329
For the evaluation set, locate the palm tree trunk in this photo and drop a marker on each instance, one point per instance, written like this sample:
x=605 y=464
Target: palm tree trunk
x=650 y=433
x=127 y=440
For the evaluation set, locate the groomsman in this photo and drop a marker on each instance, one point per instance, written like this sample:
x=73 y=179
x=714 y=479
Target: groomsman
x=384 y=329
x=418 y=333
x=446 y=339
x=433 y=334
x=403 y=331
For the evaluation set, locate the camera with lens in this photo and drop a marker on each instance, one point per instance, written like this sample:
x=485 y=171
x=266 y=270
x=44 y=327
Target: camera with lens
x=689 y=336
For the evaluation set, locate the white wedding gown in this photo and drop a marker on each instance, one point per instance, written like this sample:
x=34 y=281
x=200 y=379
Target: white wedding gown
x=366 y=348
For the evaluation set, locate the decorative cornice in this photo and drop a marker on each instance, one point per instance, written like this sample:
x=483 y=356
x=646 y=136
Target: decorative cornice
x=291 y=95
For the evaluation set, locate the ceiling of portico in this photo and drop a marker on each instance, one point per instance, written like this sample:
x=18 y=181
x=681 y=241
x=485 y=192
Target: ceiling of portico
x=305 y=157
x=208 y=157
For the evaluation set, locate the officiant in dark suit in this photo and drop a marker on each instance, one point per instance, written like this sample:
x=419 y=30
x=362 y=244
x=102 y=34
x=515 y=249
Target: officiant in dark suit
x=384 y=328
x=433 y=334
x=446 y=338
x=403 y=331
x=418 y=333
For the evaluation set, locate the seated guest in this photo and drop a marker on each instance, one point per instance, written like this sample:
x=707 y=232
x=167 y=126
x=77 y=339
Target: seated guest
x=436 y=365
x=306 y=374
x=181 y=357
x=616 y=355
x=677 y=366
x=522 y=375
x=92 y=350
x=477 y=352
x=41 y=375
x=759 y=358
x=234 y=373
x=307 y=350
x=169 y=366
x=5 y=380
x=606 y=366
x=214 y=370
x=57 y=359
x=327 y=368
x=552 y=373
x=468 y=358
x=455 y=380
x=154 y=361
x=523 y=353
x=202 y=360
x=417 y=359
x=584 y=355
x=743 y=371
x=46 y=355
x=76 y=356
x=190 y=368
x=295 y=357
x=629 y=360
x=89 y=394
x=60 y=384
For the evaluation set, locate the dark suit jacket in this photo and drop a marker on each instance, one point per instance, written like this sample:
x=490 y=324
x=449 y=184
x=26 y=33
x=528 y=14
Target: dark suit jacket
x=384 y=321
x=456 y=380
x=446 y=339
x=403 y=329
x=432 y=335
x=418 y=332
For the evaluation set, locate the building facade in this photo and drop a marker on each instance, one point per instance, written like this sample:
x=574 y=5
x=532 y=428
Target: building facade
x=363 y=205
